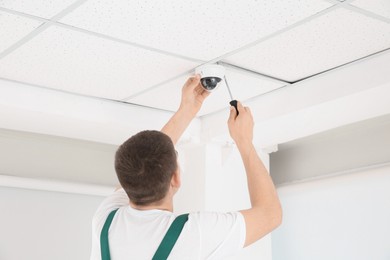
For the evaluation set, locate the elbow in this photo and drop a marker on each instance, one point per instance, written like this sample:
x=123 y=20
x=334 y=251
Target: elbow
x=277 y=216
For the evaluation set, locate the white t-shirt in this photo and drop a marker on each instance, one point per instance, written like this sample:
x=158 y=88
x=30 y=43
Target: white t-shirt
x=136 y=234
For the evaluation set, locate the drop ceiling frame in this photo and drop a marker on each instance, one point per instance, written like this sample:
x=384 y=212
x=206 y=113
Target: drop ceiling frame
x=46 y=23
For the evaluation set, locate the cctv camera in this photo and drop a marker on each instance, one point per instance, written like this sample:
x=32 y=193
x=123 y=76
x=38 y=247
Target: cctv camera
x=210 y=75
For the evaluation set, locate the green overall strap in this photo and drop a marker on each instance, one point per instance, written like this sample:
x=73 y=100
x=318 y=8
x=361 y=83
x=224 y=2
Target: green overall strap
x=104 y=247
x=163 y=250
x=170 y=238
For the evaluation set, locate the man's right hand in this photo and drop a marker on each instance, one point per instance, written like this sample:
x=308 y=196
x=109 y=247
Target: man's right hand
x=241 y=126
x=265 y=213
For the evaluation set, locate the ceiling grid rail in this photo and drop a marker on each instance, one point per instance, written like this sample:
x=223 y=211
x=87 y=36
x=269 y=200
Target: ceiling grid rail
x=95 y=34
x=301 y=81
x=55 y=21
x=336 y=4
x=40 y=28
x=307 y=19
x=365 y=12
x=375 y=54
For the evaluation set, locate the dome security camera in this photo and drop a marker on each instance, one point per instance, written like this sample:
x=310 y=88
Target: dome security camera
x=210 y=75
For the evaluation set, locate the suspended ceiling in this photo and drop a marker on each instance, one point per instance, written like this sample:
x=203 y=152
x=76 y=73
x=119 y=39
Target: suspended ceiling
x=141 y=52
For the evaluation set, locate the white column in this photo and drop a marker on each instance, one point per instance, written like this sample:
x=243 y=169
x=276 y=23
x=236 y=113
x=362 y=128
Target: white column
x=226 y=190
x=191 y=196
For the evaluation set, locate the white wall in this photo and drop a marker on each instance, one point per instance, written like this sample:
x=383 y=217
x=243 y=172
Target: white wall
x=45 y=225
x=352 y=146
x=33 y=155
x=339 y=218
x=191 y=196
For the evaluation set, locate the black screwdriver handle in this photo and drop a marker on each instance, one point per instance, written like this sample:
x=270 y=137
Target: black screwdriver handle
x=234 y=104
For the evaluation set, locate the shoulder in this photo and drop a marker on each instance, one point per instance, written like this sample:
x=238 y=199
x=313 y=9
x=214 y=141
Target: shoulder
x=218 y=222
x=115 y=200
x=220 y=234
x=216 y=217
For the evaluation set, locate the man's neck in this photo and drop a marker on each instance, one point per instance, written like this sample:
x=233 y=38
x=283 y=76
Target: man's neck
x=161 y=205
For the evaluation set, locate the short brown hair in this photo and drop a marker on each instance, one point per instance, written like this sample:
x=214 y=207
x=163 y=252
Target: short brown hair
x=145 y=164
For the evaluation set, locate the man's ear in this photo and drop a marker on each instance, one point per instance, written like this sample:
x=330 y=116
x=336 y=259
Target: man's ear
x=176 y=180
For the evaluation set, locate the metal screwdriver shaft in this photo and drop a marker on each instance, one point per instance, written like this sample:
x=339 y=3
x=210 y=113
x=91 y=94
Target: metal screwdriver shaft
x=233 y=102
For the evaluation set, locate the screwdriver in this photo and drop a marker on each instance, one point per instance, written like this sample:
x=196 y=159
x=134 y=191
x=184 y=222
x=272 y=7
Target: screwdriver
x=233 y=102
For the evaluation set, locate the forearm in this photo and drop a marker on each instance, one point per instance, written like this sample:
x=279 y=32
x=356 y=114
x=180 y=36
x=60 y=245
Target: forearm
x=178 y=124
x=262 y=191
x=265 y=213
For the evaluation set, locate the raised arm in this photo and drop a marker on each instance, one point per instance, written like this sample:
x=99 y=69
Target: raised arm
x=193 y=95
x=265 y=213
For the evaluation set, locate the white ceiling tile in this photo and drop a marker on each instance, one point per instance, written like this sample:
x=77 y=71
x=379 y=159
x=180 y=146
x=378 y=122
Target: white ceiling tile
x=13 y=28
x=198 y=29
x=242 y=86
x=41 y=8
x=381 y=7
x=166 y=96
x=67 y=60
x=328 y=41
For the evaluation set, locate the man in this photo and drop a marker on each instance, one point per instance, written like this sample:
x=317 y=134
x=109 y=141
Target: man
x=148 y=171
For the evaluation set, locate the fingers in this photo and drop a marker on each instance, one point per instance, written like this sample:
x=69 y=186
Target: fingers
x=233 y=114
x=243 y=109
x=205 y=93
x=240 y=107
x=199 y=90
x=192 y=82
x=247 y=109
x=195 y=85
x=249 y=112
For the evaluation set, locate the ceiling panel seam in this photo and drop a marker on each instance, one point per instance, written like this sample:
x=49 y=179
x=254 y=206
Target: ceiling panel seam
x=345 y=4
x=82 y=95
x=307 y=19
x=55 y=90
x=161 y=51
x=365 y=12
x=335 y=2
x=272 y=91
x=296 y=83
x=40 y=28
x=276 y=33
x=100 y=35
x=57 y=17
x=247 y=71
x=364 y=58
x=254 y=73
x=157 y=85
x=377 y=54
x=25 y=39
x=133 y=44
x=78 y=3
x=67 y=10
x=33 y=17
